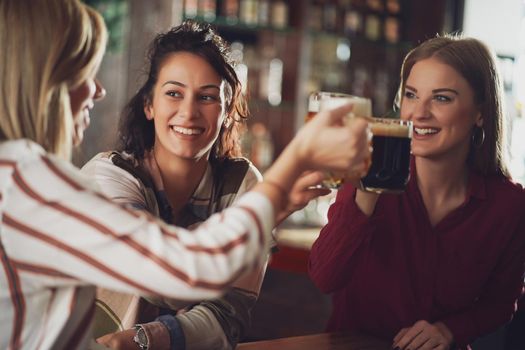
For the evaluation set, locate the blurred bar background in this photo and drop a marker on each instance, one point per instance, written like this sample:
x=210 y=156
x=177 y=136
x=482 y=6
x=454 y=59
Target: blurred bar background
x=285 y=50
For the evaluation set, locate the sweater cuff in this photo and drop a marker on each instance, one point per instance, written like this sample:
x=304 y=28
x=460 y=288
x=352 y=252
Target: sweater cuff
x=176 y=334
x=157 y=334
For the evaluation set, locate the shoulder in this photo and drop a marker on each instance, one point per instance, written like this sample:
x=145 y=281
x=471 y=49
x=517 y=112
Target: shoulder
x=35 y=167
x=235 y=176
x=251 y=175
x=104 y=163
x=103 y=168
x=502 y=187
x=505 y=194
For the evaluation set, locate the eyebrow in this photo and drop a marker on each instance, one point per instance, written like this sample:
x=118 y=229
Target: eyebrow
x=178 y=83
x=435 y=90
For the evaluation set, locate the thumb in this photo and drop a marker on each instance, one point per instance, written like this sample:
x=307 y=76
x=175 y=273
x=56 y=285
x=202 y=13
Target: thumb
x=336 y=116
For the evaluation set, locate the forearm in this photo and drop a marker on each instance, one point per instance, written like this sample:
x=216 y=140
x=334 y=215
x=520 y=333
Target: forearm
x=341 y=243
x=88 y=236
x=202 y=330
x=479 y=320
x=281 y=176
x=366 y=202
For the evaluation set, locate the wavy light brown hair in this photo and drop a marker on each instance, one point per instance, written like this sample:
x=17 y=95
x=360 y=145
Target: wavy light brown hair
x=474 y=61
x=137 y=133
x=49 y=47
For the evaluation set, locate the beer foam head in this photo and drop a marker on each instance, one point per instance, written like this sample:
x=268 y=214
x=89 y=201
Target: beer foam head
x=389 y=128
x=362 y=107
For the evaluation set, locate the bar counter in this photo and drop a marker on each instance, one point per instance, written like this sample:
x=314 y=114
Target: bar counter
x=322 y=341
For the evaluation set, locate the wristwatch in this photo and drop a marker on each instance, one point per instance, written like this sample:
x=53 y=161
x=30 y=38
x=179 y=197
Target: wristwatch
x=140 y=338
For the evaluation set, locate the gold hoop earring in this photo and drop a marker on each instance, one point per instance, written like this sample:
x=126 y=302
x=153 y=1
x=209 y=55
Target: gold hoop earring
x=478 y=137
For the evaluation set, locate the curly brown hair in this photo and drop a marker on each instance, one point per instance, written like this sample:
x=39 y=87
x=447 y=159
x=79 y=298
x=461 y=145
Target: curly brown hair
x=137 y=134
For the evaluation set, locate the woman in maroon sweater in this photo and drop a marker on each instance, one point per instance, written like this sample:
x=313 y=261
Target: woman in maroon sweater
x=442 y=263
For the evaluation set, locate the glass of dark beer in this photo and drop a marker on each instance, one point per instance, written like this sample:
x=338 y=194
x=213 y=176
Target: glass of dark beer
x=389 y=171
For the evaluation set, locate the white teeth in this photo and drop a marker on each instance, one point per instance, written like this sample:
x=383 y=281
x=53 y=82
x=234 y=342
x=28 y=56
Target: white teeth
x=425 y=131
x=187 y=131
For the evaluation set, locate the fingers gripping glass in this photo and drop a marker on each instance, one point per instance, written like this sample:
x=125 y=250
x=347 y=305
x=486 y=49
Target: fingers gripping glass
x=389 y=166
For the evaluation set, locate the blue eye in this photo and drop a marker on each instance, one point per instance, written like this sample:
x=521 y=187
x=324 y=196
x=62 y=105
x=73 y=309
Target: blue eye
x=410 y=94
x=442 y=98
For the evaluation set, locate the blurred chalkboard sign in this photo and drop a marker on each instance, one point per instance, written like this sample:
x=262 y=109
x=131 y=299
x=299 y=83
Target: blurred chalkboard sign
x=115 y=13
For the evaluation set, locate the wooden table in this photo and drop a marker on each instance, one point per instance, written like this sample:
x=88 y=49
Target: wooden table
x=328 y=341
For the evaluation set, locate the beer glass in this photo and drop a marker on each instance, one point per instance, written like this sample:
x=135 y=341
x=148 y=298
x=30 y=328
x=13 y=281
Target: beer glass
x=390 y=168
x=320 y=101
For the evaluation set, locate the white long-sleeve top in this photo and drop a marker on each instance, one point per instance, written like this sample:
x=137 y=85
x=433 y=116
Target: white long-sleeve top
x=59 y=235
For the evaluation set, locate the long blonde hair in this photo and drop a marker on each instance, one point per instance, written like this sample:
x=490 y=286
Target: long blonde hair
x=49 y=47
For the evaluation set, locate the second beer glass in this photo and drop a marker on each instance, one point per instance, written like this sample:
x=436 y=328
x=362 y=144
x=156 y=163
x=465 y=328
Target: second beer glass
x=389 y=168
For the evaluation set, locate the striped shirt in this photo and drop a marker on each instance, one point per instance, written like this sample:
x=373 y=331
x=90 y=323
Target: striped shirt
x=58 y=236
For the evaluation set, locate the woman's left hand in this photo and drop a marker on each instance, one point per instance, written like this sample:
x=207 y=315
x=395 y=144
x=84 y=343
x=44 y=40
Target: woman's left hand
x=424 y=335
x=119 y=340
x=302 y=192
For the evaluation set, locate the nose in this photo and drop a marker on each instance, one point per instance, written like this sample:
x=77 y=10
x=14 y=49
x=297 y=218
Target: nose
x=415 y=109
x=100 y=92
x=187 y=107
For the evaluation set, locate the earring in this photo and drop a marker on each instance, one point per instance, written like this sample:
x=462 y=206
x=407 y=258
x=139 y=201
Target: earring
x=478 y=137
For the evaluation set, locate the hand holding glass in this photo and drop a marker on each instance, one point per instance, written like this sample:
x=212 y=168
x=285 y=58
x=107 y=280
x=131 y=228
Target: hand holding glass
x=389 y=167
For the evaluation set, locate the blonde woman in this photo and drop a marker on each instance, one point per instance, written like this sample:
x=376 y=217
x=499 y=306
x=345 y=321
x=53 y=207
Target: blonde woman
x=59 y=237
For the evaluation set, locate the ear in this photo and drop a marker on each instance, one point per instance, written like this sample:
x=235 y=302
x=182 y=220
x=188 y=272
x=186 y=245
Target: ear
x=148 y=110
x=479 y=120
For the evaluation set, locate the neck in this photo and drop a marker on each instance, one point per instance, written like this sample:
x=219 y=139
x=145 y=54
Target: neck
x=443 y=186
x=439 y=176
x=180 y=176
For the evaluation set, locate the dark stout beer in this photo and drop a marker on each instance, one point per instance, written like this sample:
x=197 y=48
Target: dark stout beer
x=390 y=168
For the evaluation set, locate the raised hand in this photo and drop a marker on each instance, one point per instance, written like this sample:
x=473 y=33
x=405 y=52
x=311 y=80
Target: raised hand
x=326 y=143
x=303 y=191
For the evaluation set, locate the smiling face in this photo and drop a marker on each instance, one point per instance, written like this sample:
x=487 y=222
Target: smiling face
x=82 y=99
x=440 y=102
x=187 y=107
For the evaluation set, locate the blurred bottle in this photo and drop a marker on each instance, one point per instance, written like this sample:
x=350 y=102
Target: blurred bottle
x=393 y=6
x=352 y=19
x=392 y=30
x=373 y=27
x=191 y=8
x=230 y=10
x=259 y=147
x=330 y=17
x=251 y=59
x=279 y=14
x=375 y=5
x=208 y=9
x=270 y=76
x=248 y=12
x=240 y=67
x=263 y=16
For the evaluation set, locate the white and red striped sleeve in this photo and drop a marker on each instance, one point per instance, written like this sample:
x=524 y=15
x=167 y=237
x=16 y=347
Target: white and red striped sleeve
x=53 y=221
